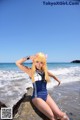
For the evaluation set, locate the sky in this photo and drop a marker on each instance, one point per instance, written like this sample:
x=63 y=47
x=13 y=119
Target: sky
x=28 y=27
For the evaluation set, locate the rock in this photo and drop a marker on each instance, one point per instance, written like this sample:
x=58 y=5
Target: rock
x=25 y=110
x=2 y=105
x=75 y=61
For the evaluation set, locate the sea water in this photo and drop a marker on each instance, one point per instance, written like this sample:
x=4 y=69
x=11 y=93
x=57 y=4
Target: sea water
x=13 y=81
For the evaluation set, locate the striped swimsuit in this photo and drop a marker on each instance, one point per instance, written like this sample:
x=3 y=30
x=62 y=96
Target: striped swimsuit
x=39 y=86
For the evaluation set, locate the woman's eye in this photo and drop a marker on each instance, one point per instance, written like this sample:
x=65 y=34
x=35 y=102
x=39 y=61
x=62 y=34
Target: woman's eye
x=37 y=61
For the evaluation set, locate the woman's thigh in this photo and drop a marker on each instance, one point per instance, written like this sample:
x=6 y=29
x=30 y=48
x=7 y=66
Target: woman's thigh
x=54 y=106
x=43 y=107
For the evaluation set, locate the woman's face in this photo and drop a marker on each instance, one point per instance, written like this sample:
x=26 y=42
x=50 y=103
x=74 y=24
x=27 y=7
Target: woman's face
x=39 y=64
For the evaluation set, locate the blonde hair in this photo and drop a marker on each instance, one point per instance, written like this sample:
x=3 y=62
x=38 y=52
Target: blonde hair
x=42 y=58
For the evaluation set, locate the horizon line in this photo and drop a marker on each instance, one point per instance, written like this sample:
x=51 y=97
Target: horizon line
x=47 y=62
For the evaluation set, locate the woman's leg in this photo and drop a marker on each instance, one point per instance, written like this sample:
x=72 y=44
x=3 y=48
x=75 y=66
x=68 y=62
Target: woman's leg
x=43 y=107
x=55 y=108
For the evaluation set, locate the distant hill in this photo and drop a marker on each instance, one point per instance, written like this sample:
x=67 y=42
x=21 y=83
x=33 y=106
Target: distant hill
x=75 y=61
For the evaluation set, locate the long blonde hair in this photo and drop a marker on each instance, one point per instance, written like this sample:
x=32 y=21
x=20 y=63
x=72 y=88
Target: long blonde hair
x=42 y=58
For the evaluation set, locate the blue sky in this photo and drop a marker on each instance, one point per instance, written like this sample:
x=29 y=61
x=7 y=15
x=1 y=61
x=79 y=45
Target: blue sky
x=28 y=27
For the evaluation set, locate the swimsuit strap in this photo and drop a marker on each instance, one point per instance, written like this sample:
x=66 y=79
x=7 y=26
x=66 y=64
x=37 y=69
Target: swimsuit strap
x=41 y=73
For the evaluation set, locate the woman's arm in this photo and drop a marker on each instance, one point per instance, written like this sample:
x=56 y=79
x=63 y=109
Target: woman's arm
x=51 y=75
x=20 y=62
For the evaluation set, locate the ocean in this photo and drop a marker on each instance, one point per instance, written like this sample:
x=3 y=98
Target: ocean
x=13 y=81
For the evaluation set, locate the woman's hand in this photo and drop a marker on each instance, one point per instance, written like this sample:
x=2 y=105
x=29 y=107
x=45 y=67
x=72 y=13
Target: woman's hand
x=32 y=57
x=59 y=82
x=51 y=75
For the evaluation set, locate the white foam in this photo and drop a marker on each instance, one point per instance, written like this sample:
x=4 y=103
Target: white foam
x=11 y=75
x=65 y=75
x=59 y=71
x=13 y=84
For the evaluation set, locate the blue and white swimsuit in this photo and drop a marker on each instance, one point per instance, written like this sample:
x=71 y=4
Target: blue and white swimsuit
x=39 y=86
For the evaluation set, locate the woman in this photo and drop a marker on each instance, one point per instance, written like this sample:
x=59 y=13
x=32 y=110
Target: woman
x=40 y=76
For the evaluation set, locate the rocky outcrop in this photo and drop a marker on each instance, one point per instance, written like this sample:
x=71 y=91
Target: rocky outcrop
x=2 y=105
x=75 y=61
x=25 y=110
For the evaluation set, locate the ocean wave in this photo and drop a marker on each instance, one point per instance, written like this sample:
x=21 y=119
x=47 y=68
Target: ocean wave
x=59 y=71
x=12 y=75
x=65 y=75
x=13 y=83
x=70 y=73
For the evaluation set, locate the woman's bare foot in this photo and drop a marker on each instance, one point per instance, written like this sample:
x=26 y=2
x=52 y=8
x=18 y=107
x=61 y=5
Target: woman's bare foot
x=65 y=117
